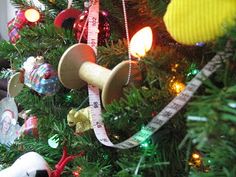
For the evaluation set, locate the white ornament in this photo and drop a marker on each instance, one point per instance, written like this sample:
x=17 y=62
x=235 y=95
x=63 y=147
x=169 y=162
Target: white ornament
x=30 y=164
x=31 y=62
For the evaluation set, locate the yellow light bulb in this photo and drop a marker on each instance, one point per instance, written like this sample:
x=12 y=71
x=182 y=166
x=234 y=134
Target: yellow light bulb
x=196 y=156
x=178 y=87
x=32 y=15
x=141 y=42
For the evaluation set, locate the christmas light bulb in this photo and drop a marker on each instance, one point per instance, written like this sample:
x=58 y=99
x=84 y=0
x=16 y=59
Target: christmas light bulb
x=196 y=156
x=75 y=173
x=195 y=71
x=68 y=98
x=144 y=145
x=178 y=87
x=141 y=42
x=32 y=15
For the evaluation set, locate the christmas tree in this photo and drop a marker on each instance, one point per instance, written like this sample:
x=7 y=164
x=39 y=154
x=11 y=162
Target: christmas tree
x=194 y=45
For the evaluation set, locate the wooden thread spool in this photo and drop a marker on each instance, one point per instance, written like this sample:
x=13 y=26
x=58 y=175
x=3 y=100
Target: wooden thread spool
x=77 y=67
x=15 y=84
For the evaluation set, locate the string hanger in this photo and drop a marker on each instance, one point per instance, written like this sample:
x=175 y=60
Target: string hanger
x=128 y=42
x=69 y=4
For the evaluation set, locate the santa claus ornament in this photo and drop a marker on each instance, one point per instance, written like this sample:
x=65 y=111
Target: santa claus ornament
x=8 y=121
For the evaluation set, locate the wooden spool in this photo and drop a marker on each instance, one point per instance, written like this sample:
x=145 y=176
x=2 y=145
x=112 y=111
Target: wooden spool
x=77 y=67
x=15 y=85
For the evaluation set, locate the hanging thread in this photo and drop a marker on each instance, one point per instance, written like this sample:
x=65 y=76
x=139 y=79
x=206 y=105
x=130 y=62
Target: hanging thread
x=69 y=4
x=127 y=37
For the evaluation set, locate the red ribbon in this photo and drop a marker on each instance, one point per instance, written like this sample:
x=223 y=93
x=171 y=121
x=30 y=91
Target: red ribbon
x=62 y=163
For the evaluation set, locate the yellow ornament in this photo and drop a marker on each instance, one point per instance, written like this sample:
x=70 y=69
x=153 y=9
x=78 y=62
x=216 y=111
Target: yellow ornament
x=193 y=21
x=80 y=118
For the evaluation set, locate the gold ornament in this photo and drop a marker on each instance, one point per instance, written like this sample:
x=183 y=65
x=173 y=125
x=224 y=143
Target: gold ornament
x=80 y=118
x=193 y=21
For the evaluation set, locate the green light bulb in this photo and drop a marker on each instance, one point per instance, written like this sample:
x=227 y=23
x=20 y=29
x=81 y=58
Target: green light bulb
x=194 y=71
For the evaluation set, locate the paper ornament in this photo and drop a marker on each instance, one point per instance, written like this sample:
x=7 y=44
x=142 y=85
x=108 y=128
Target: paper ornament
x=8 y=121
x=193 y=21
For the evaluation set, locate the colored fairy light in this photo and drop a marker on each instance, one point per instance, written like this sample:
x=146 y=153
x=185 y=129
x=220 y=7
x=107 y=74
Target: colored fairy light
x=174 y=67
x=105 y=13
x=195 y=156
x=32 y=15
x=68 y=98
x=192 y=71
x=75 y=173
x=141 y=42
x=200 y=44
x=177 y=87
x=144 y=145
x=195 y=71
x=196 y=160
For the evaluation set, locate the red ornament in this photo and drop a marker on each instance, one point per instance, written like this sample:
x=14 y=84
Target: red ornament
x=103 y=27
x=66 y=18
x=30 y=127
x=15 y=25
x=47 y=75
x=23 y=18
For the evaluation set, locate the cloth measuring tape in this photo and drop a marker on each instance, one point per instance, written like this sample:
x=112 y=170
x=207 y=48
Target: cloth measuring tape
x=160 y=119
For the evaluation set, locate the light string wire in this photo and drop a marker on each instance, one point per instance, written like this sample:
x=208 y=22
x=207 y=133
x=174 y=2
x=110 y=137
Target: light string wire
x=138 y=166
x=82 y=104
x=127 y=37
